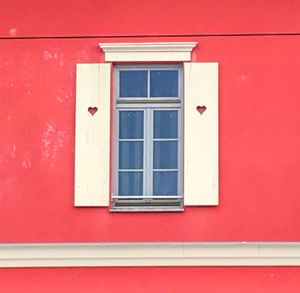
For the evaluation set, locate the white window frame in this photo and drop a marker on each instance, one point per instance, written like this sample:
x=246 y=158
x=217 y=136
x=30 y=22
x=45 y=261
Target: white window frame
x=148 y=105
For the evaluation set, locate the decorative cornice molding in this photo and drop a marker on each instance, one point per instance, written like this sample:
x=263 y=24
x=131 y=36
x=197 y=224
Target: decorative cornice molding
x=150 y=254
x=148 y=47
x=143 y=52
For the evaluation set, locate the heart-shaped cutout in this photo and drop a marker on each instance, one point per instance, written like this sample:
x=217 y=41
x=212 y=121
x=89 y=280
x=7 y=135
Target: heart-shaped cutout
x=201 y=109
x=92 y=110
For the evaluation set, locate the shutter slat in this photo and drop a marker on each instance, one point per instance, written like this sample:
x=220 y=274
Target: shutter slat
x=201 y=151
x=92 y=138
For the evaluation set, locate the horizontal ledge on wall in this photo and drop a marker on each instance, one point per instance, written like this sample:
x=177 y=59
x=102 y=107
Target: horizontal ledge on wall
x=150 y=254
x=143 y=52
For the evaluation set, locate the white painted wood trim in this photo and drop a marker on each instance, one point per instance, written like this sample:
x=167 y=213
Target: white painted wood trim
x=201 y=146
x=150 y=254
x=148 y=52
x=92 y=138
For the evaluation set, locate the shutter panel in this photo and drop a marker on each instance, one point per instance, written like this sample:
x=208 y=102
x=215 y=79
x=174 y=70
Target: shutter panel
x=92 y=138
x=201 y=171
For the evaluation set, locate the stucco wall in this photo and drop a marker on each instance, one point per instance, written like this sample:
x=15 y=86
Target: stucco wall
x=259 y=145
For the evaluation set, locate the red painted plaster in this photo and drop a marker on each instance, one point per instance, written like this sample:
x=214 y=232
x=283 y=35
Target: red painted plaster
x=259 y=146
x=166 y=280
x=23 y=18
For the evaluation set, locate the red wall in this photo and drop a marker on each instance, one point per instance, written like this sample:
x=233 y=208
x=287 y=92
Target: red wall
x=146 y=280
x=257 y=46
x=21 y=18
x=259 y=145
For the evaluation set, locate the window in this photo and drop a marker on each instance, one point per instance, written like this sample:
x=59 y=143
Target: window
x=148 y=95
x=148 y=138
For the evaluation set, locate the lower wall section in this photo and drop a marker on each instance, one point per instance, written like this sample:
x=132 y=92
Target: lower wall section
x=151 y=279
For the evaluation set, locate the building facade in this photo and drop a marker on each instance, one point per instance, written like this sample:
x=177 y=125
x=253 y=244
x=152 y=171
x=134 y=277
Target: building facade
x=228 y=71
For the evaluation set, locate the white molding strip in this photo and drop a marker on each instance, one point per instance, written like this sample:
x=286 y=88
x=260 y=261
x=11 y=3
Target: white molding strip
x=150 y=254
x=147 y=52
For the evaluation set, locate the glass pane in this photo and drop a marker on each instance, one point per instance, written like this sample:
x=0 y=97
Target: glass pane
x=131 y=155
x=165 y=124
x=130 y=183
x=131 y=124
x=165 y=155
x=165 y=183
x=133 y=83
x=164 y=83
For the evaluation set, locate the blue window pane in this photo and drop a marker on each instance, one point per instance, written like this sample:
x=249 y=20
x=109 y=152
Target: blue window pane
x=131 y=124
x=130 y=183
x=164 y=83
x=165 y=183
x=165 y=124
x=131 y=155
x=133 y=83
x=165 y=155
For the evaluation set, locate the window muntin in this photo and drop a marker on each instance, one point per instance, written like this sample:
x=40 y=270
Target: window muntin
x=148 y=147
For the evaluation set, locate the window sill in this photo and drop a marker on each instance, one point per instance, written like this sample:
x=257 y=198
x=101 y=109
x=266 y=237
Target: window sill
x=137 y=204
x=146 y=209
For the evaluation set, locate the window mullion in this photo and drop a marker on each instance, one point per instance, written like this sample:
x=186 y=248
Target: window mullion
x=150 y=129
x=147 y=152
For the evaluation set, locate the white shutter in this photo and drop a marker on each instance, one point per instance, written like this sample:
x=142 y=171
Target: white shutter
x=92 y=138
x=201 y=172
